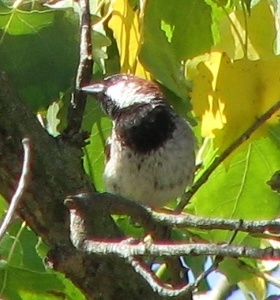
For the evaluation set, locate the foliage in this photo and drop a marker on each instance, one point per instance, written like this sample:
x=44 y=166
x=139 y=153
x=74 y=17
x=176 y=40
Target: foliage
x=217 y=60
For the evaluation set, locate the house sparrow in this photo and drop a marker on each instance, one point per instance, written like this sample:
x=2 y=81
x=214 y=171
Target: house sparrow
x=151 y=156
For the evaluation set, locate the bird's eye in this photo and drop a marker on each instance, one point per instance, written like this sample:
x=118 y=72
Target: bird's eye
x=114 y=111
x=109 y=106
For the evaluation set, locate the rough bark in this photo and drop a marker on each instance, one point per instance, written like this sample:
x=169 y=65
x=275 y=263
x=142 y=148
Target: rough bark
x=57 y=172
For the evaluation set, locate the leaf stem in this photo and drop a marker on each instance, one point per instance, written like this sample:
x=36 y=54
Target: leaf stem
x=219 y=159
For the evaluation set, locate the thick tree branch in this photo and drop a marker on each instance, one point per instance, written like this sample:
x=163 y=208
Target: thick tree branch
x=56 y=172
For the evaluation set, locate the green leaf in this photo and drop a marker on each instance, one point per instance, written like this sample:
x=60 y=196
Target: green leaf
x=52 y=118
x=11 y=250
x=173 y=33
x=186 y=26
x=158 y=56
x=18 y=22
x=27 y=240
x=18 y=247
x=128 y=228
x=235 y=270
x=21 y=262
x=3 y=206
x=94 y=158
x=98 y=42
x=42 y=65
x=241 y=192
x=14 y=281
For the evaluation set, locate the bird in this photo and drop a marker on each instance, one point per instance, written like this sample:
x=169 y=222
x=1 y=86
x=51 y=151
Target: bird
x=150 y=154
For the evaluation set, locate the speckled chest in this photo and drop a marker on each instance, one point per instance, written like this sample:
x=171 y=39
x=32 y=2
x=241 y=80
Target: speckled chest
x=155 y=173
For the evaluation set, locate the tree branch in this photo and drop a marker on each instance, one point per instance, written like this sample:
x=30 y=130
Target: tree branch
x=20 y=189
x=84 y=72
x=131 y=250
x=152 y=220
x=127 y=248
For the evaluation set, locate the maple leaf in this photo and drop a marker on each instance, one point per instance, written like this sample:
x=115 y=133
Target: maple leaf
x=230 y=95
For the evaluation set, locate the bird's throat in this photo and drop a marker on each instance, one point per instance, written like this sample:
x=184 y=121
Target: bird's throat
x=145 y=127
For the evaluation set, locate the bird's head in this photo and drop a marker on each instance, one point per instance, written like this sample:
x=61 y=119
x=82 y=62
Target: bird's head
x=122 y=91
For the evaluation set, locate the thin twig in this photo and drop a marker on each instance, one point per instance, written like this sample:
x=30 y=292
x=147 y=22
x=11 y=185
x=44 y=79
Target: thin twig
x=164 y=290
x=20 y=189
x=136 y=248
x=84 y=72
x=218 y=160
x=208 y=271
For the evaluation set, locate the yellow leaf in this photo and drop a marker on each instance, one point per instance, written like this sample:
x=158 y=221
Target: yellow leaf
x=126 y=26
x=255 y=286
x=230 y=95
x=251 y=35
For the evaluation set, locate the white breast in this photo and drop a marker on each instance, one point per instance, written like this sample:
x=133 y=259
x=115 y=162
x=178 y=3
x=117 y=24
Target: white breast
x=155 y=178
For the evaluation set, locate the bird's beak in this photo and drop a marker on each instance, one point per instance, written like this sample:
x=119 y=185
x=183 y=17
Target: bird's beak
x=93 y=88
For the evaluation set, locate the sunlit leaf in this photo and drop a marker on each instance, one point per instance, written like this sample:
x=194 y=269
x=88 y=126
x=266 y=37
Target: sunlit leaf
x=241 y=191
x=125 y=24
x=226 y=92
x=52 y=118
x=18 y=22
x=252 y=37
x=254 y=286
